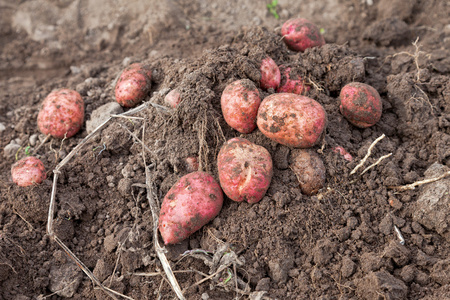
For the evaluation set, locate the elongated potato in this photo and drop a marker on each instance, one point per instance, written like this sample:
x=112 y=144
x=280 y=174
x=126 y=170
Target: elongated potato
x=192 y=202
x=291 y=120
x=240 y=102
x=245 y=170
x=270 y=74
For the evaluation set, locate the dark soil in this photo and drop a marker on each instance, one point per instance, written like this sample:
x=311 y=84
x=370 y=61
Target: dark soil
x=341 y=243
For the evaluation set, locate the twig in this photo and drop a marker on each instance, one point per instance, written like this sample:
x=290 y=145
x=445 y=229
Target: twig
x=41 y=144
x=154 y=207
x=376 y=163
x=413 y=185
x=369 y=152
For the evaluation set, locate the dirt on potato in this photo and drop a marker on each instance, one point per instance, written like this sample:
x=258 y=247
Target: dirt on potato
x=359 y=237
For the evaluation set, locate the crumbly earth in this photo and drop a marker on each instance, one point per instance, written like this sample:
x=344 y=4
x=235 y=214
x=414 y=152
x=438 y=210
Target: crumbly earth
x=341 y=243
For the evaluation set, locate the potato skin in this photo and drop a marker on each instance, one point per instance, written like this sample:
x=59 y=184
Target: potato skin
x=291 y=120
x=133 y=85
x=291 y=82
x=173 y=98
x=360 y=104
x=270 y=74
x=300 y=34
x=240 y=102
x=28 y=171
x=61 y=114
x=193 y=201
x=309 y=169
x=245 y=170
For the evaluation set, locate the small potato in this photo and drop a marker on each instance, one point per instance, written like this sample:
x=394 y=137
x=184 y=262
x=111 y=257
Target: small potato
x=300 y=34
x=28 y=171
x=192 y=202
x=240 y=102
x=309 y=169
x=245 y=170
x=291 y=82
x=360 y=104
x=133 y=85
x=270 y=74
x=61 y=114
x=173 y=98
x=291 y=120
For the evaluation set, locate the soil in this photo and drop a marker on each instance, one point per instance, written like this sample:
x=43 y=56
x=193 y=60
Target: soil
x=342 y=243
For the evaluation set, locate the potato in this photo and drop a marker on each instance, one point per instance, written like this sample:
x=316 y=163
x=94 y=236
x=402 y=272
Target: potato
x=360 y=104
x=192 y=202
x=309 y=169
x=28 y=171
x=245 y=170
x=291 y=120
x=270 y=74
x=61 y=114
x=300 y=34
x=291 y=82
x=173 y=98
x=240 y=102
x=133 y=85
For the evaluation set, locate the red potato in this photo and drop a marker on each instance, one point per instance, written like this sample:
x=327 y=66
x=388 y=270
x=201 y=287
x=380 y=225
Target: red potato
x=240 y=102
x=61 y=114
x=291 y=120
x=192 y=202
x=291 y=82
x=173 y=98
x=270 y=74
x=300 y=34
x=309 y=169
x=133 y=85
x=245 y=170
x=28 y=171
x=360 y=104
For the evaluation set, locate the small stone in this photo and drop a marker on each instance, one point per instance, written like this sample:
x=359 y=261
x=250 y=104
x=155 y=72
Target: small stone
x=33 y=139
x=2 y=127
x=348 y=267
x=10 y=150
x=109 y=243
x=101 y=114
x=102 y=269
x=124 y=186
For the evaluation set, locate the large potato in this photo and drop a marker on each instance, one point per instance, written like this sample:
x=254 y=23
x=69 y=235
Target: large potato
x=192 y=202
x=62 y=114
x=133 y=85
x=309 y=169
x=240 y=102
x=245 y=170
x=291 y=120
x=360 y=104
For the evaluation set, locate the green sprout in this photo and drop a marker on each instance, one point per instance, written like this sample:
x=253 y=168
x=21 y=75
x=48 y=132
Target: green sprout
x=27 y=151
x=273 y=8
x=322 y=30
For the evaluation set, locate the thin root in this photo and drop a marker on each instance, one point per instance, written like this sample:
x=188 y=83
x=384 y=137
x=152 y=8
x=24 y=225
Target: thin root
x=369 y=152
x=376 y=163
x=413 y=185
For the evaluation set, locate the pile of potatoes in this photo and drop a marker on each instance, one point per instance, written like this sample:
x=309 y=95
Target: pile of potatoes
x=287 y=116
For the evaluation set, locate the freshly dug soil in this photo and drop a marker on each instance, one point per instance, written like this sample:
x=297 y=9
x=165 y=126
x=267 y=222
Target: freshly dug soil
x=359 y=237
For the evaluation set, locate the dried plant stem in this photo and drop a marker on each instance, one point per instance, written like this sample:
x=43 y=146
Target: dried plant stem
x=376 y=163
x=51 y=210
x=413 y=185
x=369 y=152
x=154 y=207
